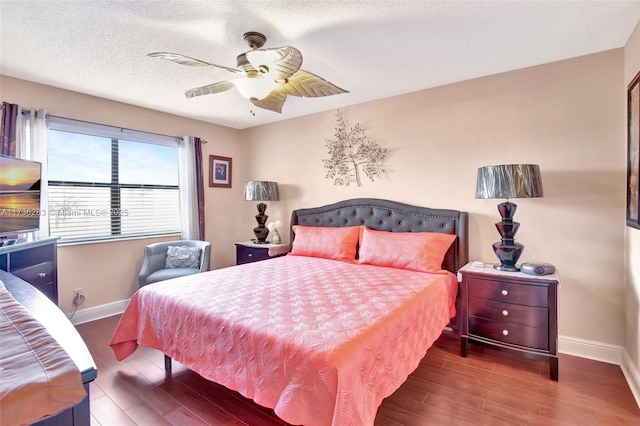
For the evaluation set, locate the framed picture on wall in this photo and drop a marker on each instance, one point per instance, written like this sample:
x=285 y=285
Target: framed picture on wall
x=219 y=171
x=633 y=153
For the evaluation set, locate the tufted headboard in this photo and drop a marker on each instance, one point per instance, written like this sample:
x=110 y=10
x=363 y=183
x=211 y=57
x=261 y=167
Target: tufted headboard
x=385 y=215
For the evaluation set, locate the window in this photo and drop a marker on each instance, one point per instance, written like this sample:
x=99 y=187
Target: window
x=110 y=183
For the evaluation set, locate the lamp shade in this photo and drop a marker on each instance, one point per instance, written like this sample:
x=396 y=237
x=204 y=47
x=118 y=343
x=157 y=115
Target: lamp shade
x=254 y=87
x=261 y=190
x=509 y=181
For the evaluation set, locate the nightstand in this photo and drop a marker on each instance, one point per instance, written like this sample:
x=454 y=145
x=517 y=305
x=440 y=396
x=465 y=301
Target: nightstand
x=510 y=310
x=248 y=251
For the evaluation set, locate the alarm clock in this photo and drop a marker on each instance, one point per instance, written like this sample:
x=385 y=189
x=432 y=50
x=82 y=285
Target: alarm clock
x=537 y=268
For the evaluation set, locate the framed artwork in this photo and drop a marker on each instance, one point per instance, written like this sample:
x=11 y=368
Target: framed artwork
x=219 y=171
x=633 y=153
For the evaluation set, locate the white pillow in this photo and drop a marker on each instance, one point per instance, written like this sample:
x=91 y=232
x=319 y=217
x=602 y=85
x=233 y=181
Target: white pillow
x=183 y=257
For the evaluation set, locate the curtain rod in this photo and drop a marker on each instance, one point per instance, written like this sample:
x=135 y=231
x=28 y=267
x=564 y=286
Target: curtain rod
x=122 y=129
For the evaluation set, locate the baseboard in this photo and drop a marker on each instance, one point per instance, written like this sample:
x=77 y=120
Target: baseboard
x=604 y=352
x=98 y=312
x=597 y=351
x=632 y=375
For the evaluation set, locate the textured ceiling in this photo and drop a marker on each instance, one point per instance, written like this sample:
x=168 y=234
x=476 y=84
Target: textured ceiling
x=374 y=49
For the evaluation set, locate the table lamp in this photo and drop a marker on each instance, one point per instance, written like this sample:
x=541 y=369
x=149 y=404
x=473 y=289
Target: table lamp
x=261 y=190
x=508 y=181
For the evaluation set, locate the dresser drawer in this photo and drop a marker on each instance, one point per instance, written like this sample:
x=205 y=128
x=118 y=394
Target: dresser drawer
x=532 y=337
x=508 y=292
x=37 y=275
x=46 y=289
x=531 y=316
x=246 y=254
x=31 y=256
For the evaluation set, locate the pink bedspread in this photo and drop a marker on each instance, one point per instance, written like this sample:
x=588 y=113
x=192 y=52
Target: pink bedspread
x=322 y=342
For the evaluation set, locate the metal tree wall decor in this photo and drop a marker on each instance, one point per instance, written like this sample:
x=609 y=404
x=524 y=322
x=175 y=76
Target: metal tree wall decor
x=351 y=153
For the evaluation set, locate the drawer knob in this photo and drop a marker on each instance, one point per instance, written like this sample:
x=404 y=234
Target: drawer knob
x=505 y=313
x=505 y=332
x=505 y=292
x=42 y=275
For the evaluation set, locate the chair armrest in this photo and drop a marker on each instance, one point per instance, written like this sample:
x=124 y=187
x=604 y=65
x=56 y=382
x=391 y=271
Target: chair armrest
x=205 y=255
x=155 y=258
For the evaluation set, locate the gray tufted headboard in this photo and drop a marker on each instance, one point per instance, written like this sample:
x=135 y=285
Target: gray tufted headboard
x=385 y=215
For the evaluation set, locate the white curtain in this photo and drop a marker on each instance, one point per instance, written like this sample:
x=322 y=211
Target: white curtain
x=32 y=143
x=187 y=179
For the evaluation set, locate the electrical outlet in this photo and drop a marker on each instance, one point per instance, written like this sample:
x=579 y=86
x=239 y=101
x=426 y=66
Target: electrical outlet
x=78 y=296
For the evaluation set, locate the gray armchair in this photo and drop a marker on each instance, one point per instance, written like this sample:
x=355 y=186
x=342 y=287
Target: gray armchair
x=181 y=261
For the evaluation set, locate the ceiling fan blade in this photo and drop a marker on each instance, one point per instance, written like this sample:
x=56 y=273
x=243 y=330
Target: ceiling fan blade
x=209 y=89
x=308 y=85
x=273 y=102
x=187 y=60
x=279 y=63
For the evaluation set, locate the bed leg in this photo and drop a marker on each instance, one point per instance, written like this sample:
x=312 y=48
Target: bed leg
x=464 y=347
x=167 y=364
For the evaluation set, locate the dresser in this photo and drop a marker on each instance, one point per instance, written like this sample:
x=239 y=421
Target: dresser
x=511 y=311
x=35 y=262
x=248 y=251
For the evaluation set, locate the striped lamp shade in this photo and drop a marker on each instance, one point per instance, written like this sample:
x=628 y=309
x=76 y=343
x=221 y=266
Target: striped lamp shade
x=509 y=181
x=261 y=190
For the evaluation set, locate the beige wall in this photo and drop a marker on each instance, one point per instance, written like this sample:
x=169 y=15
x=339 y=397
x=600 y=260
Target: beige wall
x=108 y=271
x=567 y=116
x=632 y=246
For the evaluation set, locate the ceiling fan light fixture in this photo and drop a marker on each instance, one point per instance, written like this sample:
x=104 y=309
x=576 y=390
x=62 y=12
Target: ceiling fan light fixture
x=254 y=87
x=269 y=76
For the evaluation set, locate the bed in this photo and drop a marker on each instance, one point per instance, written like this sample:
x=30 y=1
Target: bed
x=45 y=367
x=325 y=333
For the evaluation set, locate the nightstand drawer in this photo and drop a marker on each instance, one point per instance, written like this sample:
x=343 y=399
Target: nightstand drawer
x=531 y=316
x=509 y=292
x=246 y=254
x=36 y=275
x=532 y=337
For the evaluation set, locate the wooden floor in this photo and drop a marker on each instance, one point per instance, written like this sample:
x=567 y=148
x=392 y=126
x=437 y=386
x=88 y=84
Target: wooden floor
x=488 y=387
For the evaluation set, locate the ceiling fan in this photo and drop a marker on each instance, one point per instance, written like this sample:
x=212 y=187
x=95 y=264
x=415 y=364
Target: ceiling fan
x=264 y=76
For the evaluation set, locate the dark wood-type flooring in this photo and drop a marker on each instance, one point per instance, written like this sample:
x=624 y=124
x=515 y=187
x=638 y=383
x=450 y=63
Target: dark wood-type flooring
x=488 y=387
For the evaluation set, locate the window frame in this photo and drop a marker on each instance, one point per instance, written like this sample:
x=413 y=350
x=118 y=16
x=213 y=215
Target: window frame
x=116 y=134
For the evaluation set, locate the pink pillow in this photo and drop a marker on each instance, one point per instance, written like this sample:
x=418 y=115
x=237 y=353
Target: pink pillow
x=326 y=242
x=418 y=251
